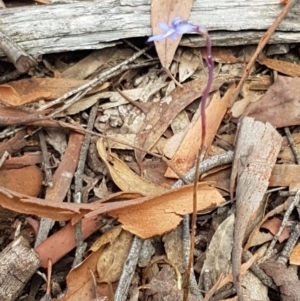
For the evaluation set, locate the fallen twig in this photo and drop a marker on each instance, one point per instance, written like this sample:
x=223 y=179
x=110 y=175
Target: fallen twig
x=82 y=90
x=46 y=162
x=258 y=272
x=284 y=221
x=262 y=43
x=22 y=61
x=292 y=144
x=128 y=270
x=186 y=237
x=293 y=239
x=80 y=244
x=3 y=158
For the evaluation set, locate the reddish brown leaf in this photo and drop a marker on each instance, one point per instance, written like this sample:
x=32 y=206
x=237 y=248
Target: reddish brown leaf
x=27 y=180
x=163 y=212
x=57 y=211
x=13 y=116
x=286 y=279
x=154 y=172
x=28 y=159
x=14 y=144
x=273 y=226
x=280 y=105
x=32 y=89
x=220 y=55
x=22 y=203
x=287 y=68
x=166 y=11
x=276 y=211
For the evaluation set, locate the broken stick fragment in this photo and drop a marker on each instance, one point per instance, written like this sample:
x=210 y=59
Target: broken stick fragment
x=257 y=148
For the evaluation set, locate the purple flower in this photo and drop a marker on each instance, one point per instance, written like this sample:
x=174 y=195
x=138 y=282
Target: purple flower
x=178 y=27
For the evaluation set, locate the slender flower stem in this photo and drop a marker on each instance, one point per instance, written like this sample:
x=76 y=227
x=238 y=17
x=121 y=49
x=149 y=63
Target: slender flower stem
x=200 y=155
x=178 y=27
x=210 y=66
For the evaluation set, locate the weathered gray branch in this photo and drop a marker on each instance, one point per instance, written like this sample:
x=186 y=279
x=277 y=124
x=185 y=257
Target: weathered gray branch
x=102 y=23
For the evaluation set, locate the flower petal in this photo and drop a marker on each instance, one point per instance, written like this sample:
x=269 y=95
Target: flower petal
x=173 y=36
x=164 y=26
x=156 y=38
x=176 y=21
x=185 y=28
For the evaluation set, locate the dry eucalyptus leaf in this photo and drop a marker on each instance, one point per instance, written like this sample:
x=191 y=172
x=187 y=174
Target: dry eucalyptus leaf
x=153 y=86
x=29 y=90
x=165 y=288
x=111 y=260
x=218 y=254
x=221 y=55
x=173 y=242
x=57 y=138
x=280 y=105
x=124 y=177
x=27 y=180
x=284 y=175
x=239 y=107
x=287 y=68
x=189 y=63
x=259 y=238
x=286 y=155
x=159 y=214
x=86 y=102
x=260 y=82
x=166 y=11
x=116 y=99
x=295 y=255
x=78 y=280
x=286 y=279
x=16 y=116
x=89 y=64
x=180 y=122
x=254 y=289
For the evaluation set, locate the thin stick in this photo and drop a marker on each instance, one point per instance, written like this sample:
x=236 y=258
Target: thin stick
x=262 y=43
x=292 y=144
x=289 y=246
x=128 y=270
x=80 y=244
x=46 y=162
x=283 y=224
x=94 y=82
x=4 y=157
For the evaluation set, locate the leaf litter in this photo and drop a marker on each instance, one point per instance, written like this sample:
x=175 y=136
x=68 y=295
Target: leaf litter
x=150 y=131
